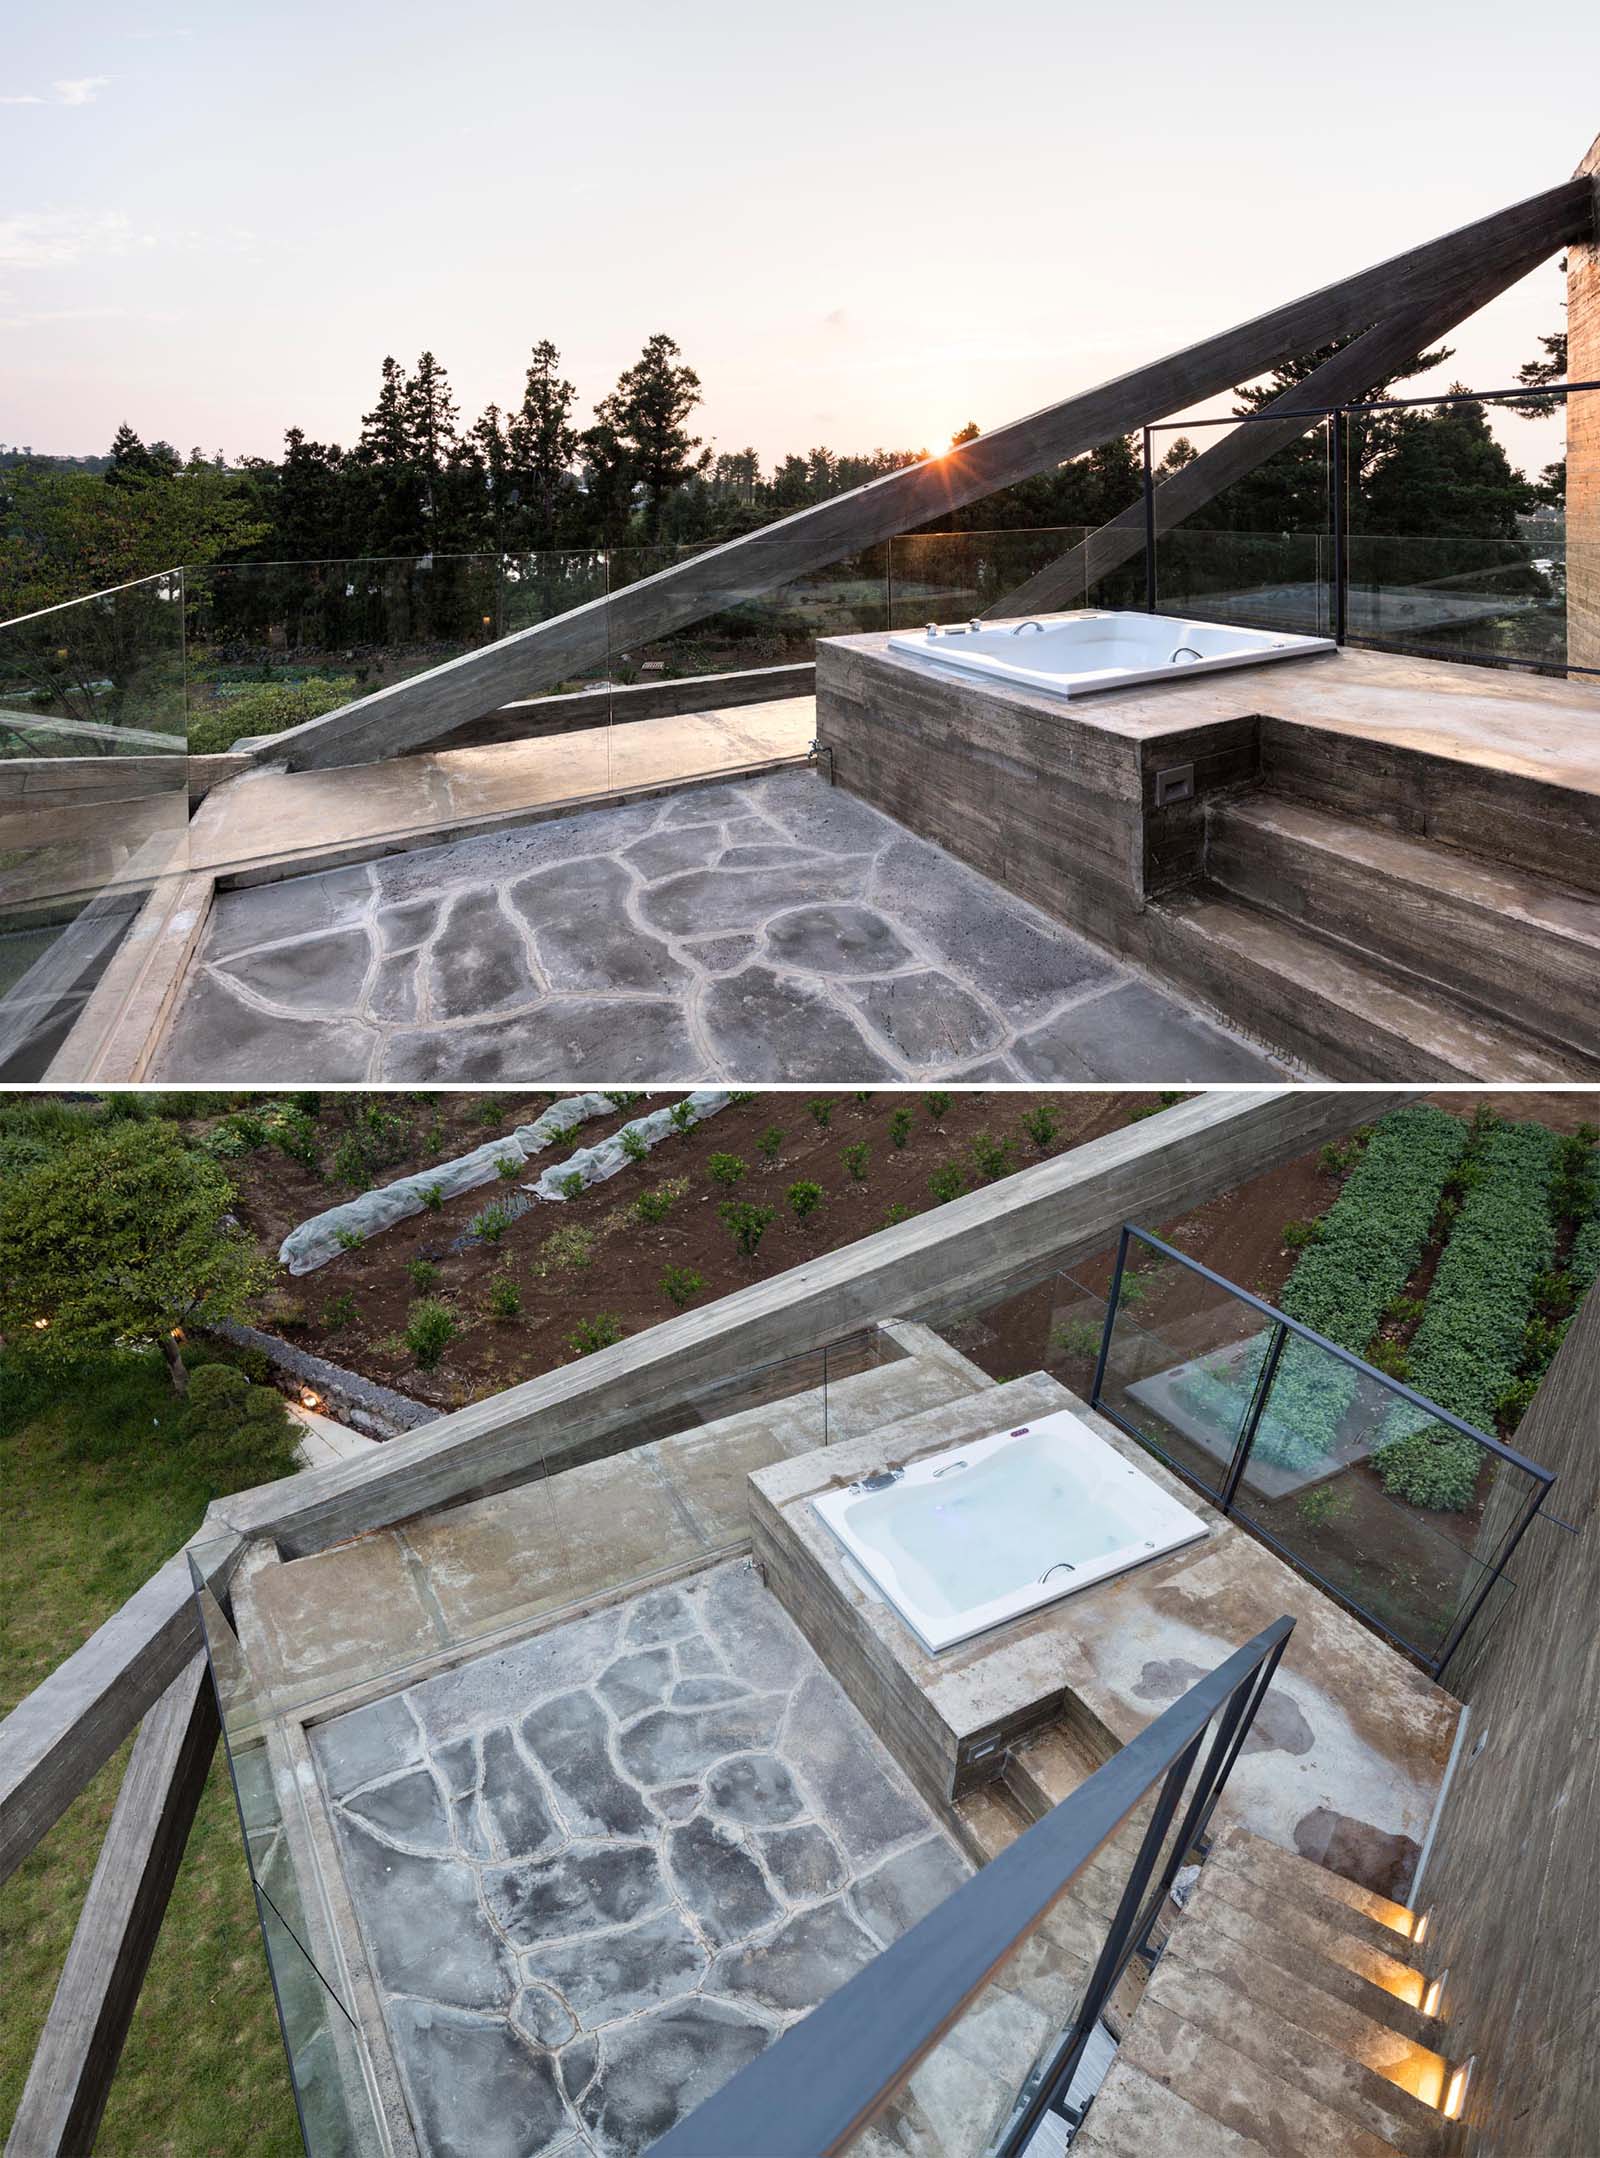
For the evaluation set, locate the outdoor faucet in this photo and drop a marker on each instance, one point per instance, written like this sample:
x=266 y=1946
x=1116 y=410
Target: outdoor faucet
x=1029 y=624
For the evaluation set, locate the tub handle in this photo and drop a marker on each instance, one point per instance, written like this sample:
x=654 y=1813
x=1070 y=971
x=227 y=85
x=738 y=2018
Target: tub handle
x=949 y=1465
x=1060 y=1566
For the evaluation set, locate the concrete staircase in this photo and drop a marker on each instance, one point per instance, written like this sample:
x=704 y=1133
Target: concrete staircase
x=1366 y=951
x=1285 y=2014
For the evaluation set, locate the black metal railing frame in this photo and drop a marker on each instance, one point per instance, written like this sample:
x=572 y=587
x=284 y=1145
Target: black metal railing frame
x=1492 y=1567
x=1338 y=491
x=809 y=2095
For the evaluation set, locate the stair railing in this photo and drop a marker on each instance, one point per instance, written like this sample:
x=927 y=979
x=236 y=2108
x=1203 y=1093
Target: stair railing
x=811 y=2094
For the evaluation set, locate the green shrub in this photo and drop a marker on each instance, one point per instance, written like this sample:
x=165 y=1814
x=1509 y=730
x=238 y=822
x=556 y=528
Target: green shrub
x=937 y=1106
x=433 y=1197
x=947 y=1183
x=599 y=1332
x=569 y=1249
x=900 y=1122
x=899 y=1213
x=1390 y=1358
x=682 y=1118
x=267 y=708
x=991 y=1157
x=491 y=1110
x=424 y=1275
x=1076 y=1338
x=681 y=1285
x=507 y=1167
x=235 y=1433
x=634 y=1143
x=820 y=1111
x=1041 y=1125
x=1296 y=1235
x=746 y=1223
x=338 y=1312
x=349 y=1239
x=296 y=1136
x=430 y=1328
x=571 y=1186
x=653 y=1206
x=803 y=1198
x=855 y=1159
x=491 y=1223
x=505 y=1298
x=770 y=1143
x=727 y=1169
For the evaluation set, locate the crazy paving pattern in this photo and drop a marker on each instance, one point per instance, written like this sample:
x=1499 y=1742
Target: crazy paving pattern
x=768 y=929
x=600 y=1871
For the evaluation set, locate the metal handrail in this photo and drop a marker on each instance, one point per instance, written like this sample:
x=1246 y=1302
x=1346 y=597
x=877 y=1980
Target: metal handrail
x=812 y=2092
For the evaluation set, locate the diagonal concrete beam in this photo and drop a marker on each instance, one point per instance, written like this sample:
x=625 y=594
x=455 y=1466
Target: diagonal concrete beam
x=1349 y=374
x=427 y=705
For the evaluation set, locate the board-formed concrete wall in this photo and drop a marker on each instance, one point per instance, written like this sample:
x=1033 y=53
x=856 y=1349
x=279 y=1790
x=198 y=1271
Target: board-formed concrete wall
x=1583 y=438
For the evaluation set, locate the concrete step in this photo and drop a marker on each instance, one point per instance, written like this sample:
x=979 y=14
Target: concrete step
x=1287 y=1958
x=1268 y=2102
x=1048 y=1766
x=1286 y=1871
x=986 y=1820
x=1345 y=1016
x=1134 y=2116
x=1328 y=1929
x=1516 y=946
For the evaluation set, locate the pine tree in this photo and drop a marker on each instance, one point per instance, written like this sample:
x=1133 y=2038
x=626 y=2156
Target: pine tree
x=542 y=446
x=646 y=412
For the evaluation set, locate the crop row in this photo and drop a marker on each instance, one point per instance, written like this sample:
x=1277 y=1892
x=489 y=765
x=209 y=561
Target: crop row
x=1364 y=1251
x=1468 y=1350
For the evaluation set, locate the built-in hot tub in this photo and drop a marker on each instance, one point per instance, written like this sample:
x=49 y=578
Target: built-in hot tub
x=963 y=1540
x=1070 y=655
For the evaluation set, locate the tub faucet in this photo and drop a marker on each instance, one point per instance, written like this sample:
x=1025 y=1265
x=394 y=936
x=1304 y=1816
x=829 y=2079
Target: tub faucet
x=1029 y=624
x=1178 y=651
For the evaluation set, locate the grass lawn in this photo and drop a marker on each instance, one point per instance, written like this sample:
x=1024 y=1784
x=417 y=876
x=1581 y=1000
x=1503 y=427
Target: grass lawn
x=89 y=1507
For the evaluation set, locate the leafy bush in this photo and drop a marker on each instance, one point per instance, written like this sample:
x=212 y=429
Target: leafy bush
x=491 y=1223
x=1041 y=1125
x=820 y=1111
x=424 y=1275
x=991 y=1157
x=491 y=1110
x=267 y=708
x=634 y=1143
x=681 y=1116
x=433 y=1197
x=803 y=1199
x=947 y=1183
x=349 y=1239
x=653 y=1206
x=1076 y=1338
x=897 y=1214
x=1297 y=1235
x=235 y=1433
x=599 y=1332
x=937 y=1105
x=681 y=1285
x=855 y=1159
x=900 y=1122
x=571 y=1185
x=746 y=1223
x=430 y=1328
x=727 y=1169
x=505 y=1298
x=507 y=1168
x=770 y=1143
x=569 y=1249
x=296 y=1136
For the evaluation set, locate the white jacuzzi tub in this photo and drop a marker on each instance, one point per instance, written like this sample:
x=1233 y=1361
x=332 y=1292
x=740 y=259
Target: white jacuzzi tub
x=1071 y=655
x=966 y=1539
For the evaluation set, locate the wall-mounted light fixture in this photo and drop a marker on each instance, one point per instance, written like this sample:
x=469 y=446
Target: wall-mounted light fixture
x=1455 y=2097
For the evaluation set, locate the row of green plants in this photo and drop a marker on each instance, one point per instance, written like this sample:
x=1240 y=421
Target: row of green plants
x=1354 y=1265
x=1471 y=1348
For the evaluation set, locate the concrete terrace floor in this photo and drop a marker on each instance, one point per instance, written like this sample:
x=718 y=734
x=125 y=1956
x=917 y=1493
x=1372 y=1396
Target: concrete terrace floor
x=600 y=1871
x=764 y=929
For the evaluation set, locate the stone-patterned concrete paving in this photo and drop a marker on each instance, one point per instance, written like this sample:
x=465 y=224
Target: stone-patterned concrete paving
x=768 y=929
x=600 y=1871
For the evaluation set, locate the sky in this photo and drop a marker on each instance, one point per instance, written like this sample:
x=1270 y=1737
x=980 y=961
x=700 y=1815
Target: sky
x=864 y=223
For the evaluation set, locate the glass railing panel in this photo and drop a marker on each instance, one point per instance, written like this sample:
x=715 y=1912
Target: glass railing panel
x=1257 y=580
x=324 y=2051
x=957 y=577
x=271 y=644
x=1450 y=596
x=1182 y=1362
x=93 y=799
x=1404 y=1516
